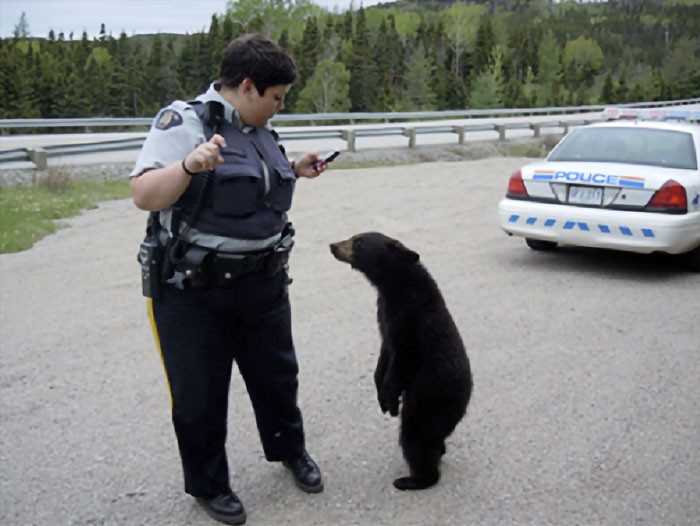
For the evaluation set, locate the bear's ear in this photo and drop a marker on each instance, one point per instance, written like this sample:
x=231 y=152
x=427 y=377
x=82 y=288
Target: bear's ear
x=405 y=255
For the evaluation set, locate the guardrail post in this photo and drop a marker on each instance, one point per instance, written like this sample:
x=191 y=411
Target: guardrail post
x=38 y=157
x=536 y=129
x=501 y=129
x=349 y=136
x=411 y=134
x=564 y=125
x=459 y=130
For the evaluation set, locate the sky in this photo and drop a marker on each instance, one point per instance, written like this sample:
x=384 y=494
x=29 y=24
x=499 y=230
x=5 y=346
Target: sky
x=131 y=16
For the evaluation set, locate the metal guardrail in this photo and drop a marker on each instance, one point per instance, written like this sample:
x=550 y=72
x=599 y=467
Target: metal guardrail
x=351 y=117
x=40 y=156
x=16 y=154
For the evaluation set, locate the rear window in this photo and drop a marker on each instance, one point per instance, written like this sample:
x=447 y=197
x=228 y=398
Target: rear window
x=667 y=148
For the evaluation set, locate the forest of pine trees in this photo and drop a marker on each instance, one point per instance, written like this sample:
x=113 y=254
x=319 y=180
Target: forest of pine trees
x=404 y=56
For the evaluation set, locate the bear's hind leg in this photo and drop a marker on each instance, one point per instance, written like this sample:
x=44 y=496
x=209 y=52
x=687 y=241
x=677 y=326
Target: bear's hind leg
x=423 y=458
x=424 y=469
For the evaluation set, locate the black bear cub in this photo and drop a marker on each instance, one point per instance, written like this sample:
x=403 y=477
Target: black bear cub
x=422 y=360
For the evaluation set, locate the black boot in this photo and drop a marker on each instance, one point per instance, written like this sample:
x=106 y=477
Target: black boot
x=307 y=476
x=224 y=508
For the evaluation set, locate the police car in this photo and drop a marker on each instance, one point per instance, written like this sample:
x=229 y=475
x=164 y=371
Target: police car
x=630 y=183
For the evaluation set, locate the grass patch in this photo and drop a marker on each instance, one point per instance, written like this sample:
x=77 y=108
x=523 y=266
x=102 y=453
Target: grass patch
x=28 y=214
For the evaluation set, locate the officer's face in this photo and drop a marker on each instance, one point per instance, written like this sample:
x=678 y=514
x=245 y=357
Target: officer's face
x=261 y=108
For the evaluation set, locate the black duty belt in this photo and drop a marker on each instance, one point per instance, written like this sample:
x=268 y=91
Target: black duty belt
x=198 y=267
x=225 y=268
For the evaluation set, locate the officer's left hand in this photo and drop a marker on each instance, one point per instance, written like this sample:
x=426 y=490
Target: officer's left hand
x=303 y=166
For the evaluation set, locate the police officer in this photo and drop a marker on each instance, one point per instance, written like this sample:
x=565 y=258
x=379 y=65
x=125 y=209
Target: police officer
x=218 y=187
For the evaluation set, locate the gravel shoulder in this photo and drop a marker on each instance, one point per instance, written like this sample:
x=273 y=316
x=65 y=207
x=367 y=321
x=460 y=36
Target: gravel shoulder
x=560 y=431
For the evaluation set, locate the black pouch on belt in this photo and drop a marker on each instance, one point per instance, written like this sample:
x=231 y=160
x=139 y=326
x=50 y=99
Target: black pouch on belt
x=280 y=252
x=193 y=265
x=150 y=257
x=228 y=267
x=277 y=262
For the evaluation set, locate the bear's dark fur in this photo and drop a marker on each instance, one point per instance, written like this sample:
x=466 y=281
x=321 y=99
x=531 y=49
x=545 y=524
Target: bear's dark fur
x=422 y=360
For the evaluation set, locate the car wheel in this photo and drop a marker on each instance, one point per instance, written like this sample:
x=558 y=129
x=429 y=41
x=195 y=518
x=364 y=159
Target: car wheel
x=692 y=259
x=538 y=244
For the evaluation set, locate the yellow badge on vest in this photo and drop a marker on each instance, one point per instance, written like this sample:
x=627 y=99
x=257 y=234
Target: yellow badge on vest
x=168 y=119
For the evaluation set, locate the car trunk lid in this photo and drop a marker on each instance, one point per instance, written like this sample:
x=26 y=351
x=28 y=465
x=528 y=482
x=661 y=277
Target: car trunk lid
x=601 y=185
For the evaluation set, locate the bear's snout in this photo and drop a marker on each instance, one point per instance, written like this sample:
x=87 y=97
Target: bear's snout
x=342 y=250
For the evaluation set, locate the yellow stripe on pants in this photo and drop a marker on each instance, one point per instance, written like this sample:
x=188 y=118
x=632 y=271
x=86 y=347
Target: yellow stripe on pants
x=154 y=328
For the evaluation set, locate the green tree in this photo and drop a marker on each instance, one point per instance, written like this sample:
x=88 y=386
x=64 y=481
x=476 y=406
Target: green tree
x=194 y=67
x=273 y=16
x=607 y=92
x=48 y=80
x=488 y=87
x=215 y=44
x=621 y=92
x=418 y=93
x=76 y=102
x=230 y=30
x=21 y=30
x=450 y=89
x=306 y=56
x=389 y=63
x=14 y=82
x=407 y=23
x=522 y=50
x=485 y=42
x=120 y=95
x=461 y=25
x=327 y=90
x=97 y=70
x=163 y=84
x=681 y=71
x=548 y=72
x=582 y=59
x=364 y=84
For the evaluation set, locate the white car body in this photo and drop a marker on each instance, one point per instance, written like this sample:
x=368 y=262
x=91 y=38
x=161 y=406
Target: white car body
x=604 y=200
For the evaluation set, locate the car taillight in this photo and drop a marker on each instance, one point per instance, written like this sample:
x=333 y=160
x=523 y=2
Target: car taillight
x=670 y=199
x=516 y=186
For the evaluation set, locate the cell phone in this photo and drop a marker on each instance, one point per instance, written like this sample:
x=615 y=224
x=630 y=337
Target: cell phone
x=328 y=157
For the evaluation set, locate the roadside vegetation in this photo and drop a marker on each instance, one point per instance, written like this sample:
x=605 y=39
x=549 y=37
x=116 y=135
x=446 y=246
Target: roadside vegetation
x=409 y=55
x=29 y=213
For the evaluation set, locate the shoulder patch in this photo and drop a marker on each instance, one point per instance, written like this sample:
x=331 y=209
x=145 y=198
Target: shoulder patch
x=168 y=119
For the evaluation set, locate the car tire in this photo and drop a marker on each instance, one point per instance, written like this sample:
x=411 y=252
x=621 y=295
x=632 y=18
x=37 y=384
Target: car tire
x=692 y=260
x=538 y=244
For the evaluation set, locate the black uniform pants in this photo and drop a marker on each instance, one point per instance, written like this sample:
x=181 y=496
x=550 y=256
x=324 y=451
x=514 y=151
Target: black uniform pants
x=200 y=333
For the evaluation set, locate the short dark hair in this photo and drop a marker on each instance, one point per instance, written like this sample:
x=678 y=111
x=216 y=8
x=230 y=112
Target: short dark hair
x=256 y=56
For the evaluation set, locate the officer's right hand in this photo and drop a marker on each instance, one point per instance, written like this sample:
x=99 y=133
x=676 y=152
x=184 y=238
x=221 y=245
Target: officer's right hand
x=206 y=156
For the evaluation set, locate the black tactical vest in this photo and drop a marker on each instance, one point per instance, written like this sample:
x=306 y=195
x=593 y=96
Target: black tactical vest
x=239 y=200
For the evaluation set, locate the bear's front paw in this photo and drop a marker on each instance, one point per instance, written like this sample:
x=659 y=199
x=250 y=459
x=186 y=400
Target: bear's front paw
x=386 y=404
x=394 y=408
x=383 y=405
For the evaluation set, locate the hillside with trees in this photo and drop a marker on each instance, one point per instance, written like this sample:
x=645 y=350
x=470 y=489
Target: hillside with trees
x=403 y=56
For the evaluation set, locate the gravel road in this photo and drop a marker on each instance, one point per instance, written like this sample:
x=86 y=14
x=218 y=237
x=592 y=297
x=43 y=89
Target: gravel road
x=586 y=370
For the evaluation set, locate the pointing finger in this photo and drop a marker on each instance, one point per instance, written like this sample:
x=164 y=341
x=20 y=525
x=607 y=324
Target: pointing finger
x=218 y=140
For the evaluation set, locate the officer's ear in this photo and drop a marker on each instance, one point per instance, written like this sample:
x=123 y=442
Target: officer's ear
x=247 y=86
